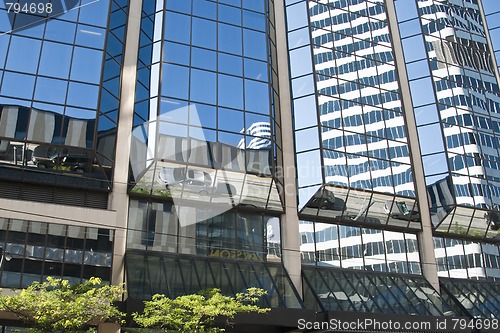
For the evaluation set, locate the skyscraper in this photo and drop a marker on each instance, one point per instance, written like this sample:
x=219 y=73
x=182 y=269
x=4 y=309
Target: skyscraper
x=343 y=154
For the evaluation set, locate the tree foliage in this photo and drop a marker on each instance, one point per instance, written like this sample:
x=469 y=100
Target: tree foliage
x=57 y=306
x=196 y=313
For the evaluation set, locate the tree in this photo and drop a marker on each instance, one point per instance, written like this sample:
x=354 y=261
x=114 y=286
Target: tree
x=57 y=306
x=196 y=313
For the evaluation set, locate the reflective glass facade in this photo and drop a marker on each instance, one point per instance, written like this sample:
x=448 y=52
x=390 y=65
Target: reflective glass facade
x=480 y=299
x=454 y=87
x=325 y=244
x=368 y=292
x=160 y=226
x=467 y=259
x=153 y=273
x=349 y=125
x=59 y=100
x=39 y=249
x=206 y=117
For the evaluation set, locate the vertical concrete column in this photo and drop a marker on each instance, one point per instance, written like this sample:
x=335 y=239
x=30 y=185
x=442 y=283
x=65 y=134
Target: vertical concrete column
x=108 y=328
x=119 y=199
x=290 y=241
x=425 y=237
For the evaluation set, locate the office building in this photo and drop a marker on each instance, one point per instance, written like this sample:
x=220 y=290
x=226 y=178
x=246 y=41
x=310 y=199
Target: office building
x=341 y=154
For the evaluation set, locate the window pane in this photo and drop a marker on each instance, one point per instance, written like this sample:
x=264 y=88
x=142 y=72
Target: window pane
x=257 y=96
x=86 y=65
x=19 y=59
x=175 y=81
x=230 y=64
x=177 y=27
x=255 y=44
x=12 y=82
x=50 y=90
x=229 y=39
x=55 y=60
x=203 y=86
x=84 y=95
x=203 y=58
x=204 y=33
x=230 y=91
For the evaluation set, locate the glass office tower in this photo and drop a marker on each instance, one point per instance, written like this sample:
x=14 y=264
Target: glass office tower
x=343 y=155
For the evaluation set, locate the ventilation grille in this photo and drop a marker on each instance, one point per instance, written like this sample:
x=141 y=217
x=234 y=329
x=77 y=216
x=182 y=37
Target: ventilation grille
x=54 y=195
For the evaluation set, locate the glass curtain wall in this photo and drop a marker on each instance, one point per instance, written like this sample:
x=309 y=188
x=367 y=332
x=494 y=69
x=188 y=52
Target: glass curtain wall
x=206 y=131
x=54 y=97
x=454 y=89
x=352 y=148
x=33 y=250
x=205 y=124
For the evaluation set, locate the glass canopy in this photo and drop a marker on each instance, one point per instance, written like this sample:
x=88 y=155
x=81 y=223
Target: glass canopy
x=150 y=273
x=479 y=298
x=343 y=290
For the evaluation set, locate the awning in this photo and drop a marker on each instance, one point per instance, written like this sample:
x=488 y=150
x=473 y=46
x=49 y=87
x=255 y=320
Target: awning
x=150 y=273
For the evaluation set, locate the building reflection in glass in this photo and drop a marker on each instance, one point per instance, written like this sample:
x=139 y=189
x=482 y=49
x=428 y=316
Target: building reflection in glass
x=361 y=146
x=63 y=120
x=41 y=249
x=460 y=165
x=162 y=227
x=204 y=125
x=334 y=245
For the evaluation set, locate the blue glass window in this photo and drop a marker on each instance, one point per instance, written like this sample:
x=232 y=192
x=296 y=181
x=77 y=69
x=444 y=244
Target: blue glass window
x=229 y=14
x=230 y=64
x=254 y=20
x=257 y=5
x=12 y=82
x=255 y=44
x=179 y=6
x=204 y=33
x=230 y=91
x=296 y=16
x=175 y=81
x=230 y=120
x=19 y=58
x=205 y=8
x=86 y=65
x=203 y=86
x=256 y=70
x=257 y=96
x=95 y=13
x=229 y=39
x=203 y=58
x=60 y=31
x=51 y=90
x=82 y=95
x=176 y=53
x=55 y=60
x=204 y=114
x=90 y=36
x=177 y=27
